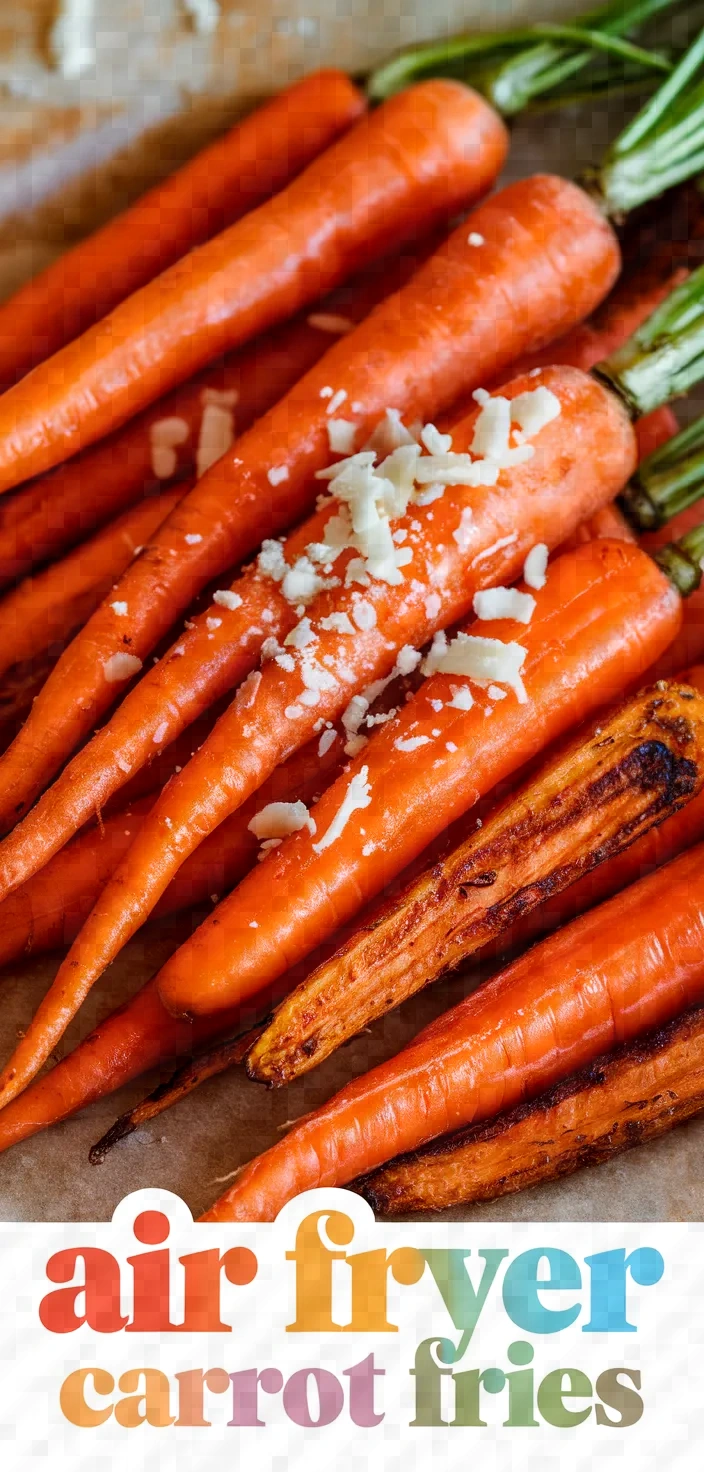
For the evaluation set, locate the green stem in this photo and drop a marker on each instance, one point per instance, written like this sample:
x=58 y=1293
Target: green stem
x=669 y=481
x=663 y=145
x=682 y=561
x=665 y=357
x=515 y=68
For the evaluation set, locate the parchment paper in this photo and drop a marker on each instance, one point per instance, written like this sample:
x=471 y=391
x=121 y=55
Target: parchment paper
x=71 y=153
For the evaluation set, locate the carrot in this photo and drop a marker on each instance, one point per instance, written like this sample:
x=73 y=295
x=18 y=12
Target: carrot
x=582 y=455
x=48 y=608
x=688 y=647
x=235 y=174
x=581 y=645
x=418 y=158
x=61 y=507
x=584 y=805
x=49 y=910
x=622 y=1099
x=629 y=965
x=465 y=312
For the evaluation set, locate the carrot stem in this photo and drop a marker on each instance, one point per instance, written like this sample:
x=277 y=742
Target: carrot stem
x=665 y=356
x=681 y=561
x=668 y=481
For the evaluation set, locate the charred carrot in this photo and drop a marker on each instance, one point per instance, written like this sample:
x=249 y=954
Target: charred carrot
x=63 y=506
x=498 y=298
x=629 y=965
x=587 y=804
x=623 y=1099
x=583 y=451
x=235 y=174
x=48 y=608
x=419 y=157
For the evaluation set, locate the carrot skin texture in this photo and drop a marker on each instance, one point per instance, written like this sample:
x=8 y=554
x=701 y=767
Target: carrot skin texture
x=62 y=507
x=50 y=909
x=627 y=966
x=253 y=160
x=426 y=153
x=50 y=606
x=402 y=354
x=622 y=1099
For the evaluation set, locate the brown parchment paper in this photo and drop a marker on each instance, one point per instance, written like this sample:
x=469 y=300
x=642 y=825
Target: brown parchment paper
x=71 y=152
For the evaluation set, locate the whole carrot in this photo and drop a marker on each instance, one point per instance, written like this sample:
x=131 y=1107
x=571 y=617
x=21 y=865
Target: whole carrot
x=579 y=458
x=48 y=608
x=466 y=312
x=235 y=174
x=401 y=169
x=63 y=506
x=627 y=966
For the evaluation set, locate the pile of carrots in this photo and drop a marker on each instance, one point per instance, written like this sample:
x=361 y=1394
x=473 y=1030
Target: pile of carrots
x=326 y=605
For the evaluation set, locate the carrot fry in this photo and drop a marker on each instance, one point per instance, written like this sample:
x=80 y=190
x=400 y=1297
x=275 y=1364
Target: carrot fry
x=49 y=910
x=584 y=806
x=455 y=317
x=580 y=458
x=62 y=507
x=419 y=157
x=233 y=175
x=630 y=965
x=625 y=1098
x=48 y=608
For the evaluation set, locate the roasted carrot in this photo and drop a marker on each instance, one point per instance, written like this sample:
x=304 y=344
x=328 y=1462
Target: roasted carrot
x=48 y=608
x=623 y=1099
x=49 y=910
x=63 y=506
x=233 y=175
x=631 y=964
x=418 y=158
x=579 y=458
x=142 y=1034
x=584 y=805
x=460 y=316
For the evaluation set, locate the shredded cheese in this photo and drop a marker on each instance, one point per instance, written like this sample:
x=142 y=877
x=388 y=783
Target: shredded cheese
x=216 y=435
x=481 y=659
x=119 y=608
x=227 y=599
x=164 y=436
x=277 y=475
x=535 y=566
x=278 y=819
x=341 y=436
x=121 y=667
x=411 y=743
x=493 y=603
x=357 y=796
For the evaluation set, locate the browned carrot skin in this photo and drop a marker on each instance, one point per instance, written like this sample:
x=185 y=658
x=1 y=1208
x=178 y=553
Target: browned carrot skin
x=638 y=768
x=178 y=1087
x=622 y=1099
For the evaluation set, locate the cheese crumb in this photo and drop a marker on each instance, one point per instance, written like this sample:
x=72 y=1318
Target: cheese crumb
x=227 y=599
x=119 y=608
x=341 y=436
x=357 y=796
x=213 y=624
x=462 y=698
x=327 y=740
x=492 y=603
x=535 y=566
x=336 y=401
x=164 y=436
x=302 y=635
x=278 y=819
x=364 y=615
x=411 y=743
x=474 y=238
x=277 y=475
x=338 y=623
x=216 y=435
x=480 y=658
x=121 y=667
x=193 y=538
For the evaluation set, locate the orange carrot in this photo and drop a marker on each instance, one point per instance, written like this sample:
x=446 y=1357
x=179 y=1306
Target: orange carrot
x=579 y=459
x=235 y=174
x=466 y=312
x=49 y=910
x=418 y=158
x=629 y=965
x=688 y=647
x=48 y=608
x=61 y=507
x=581 y=647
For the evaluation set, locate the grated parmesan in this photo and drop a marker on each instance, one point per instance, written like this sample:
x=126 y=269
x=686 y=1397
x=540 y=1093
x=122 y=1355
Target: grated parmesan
x=277 y=475
x=482 y=659
x=121 y=667
x=341 y=436
x=164 y=436
x=357 y=796
x=364 y=615
x=411 y=743
x=338 y=623
x=119 y=608
x=327 y=740
x=226 y=599
x=493 y=603
x=216 y=435
x=278 y=819
x=192 y=539
x=535 y=566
